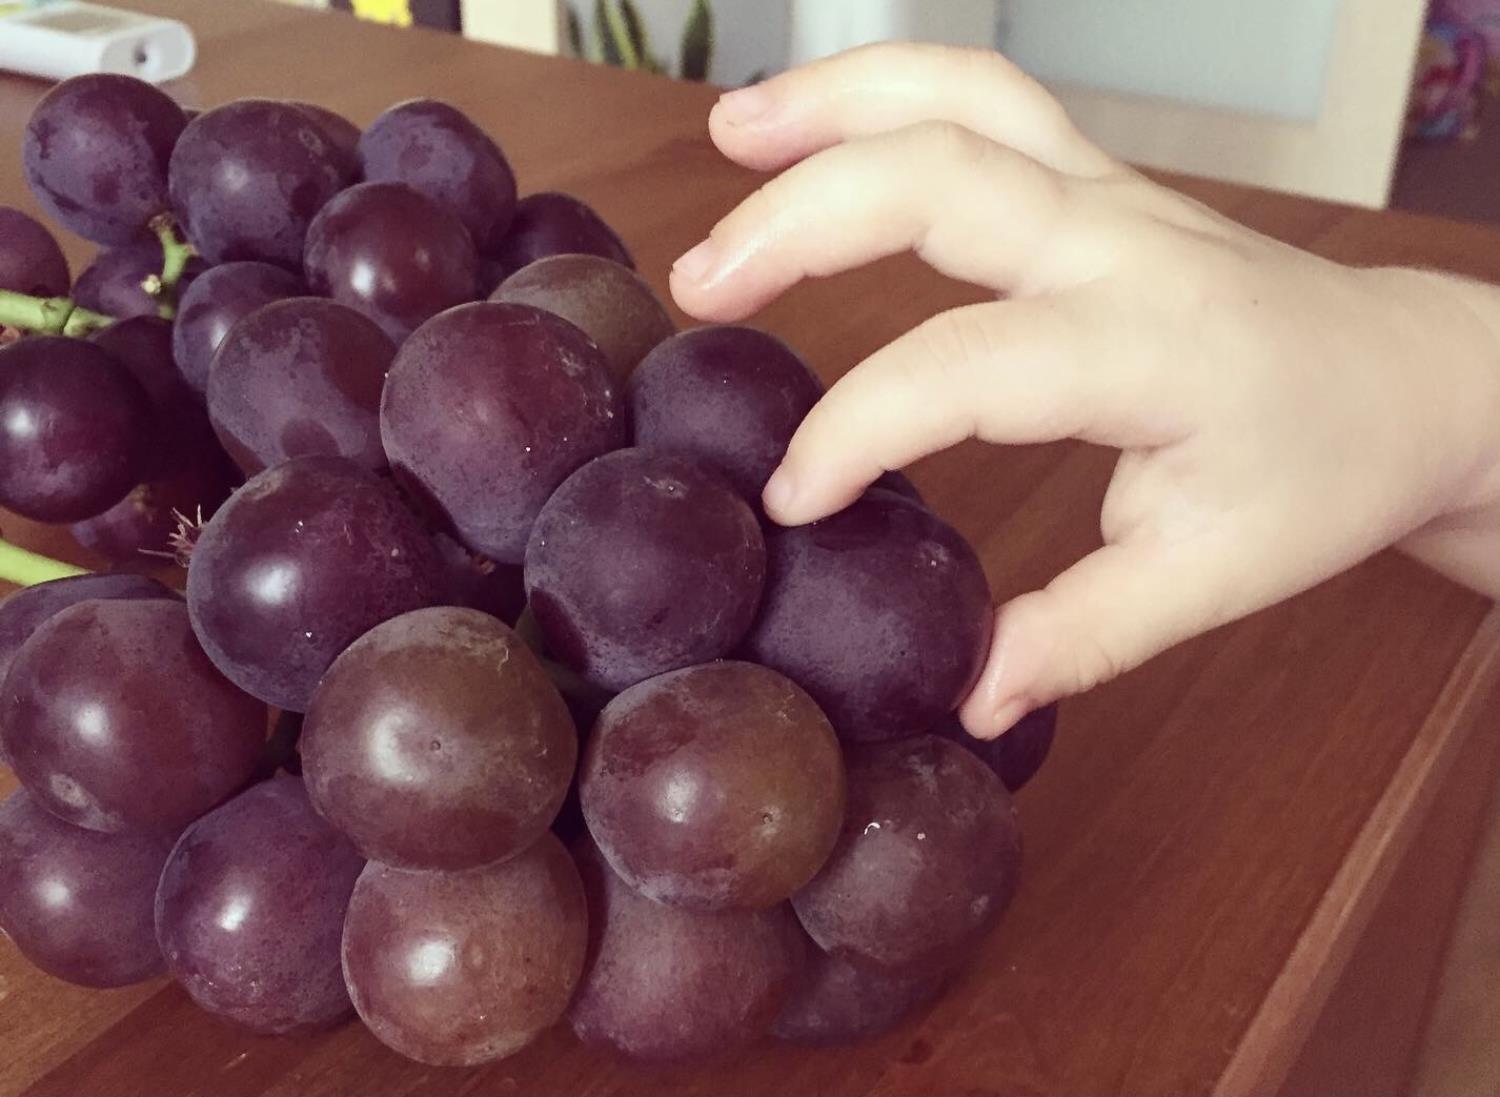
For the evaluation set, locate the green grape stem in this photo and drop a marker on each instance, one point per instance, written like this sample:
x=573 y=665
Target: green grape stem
x=175 y=254
x=26 y=569
x=48 y=315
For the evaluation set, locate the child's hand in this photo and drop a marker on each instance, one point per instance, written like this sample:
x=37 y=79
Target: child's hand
x=1281 y=417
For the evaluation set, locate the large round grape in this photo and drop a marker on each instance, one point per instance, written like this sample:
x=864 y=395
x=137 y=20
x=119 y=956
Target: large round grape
x=665 y=984
x=96 y=151
x=487 y=409
x=250 y=911
x=436 y=741
x=466 y=968
x=115 y=283
x=715 y=786
x=74 y=426
x=247 y=179
x=731 y=395
x=300 y=378
x=302 y=561
x=1017 y=755
x=881 y=612
x=927 y=861
x=642 y=563
x=549 y=223
x=393 y=253
x=77 y=903
x=842 y=1001
x=115 y=720
x=30 y=260
x=611 y=303
x=433 y=147
x=214 y=303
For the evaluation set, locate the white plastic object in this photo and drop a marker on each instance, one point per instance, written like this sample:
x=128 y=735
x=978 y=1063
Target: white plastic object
x=59 y=39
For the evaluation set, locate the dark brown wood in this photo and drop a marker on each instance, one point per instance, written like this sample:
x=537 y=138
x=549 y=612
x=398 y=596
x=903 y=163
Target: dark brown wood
x=1213 y=831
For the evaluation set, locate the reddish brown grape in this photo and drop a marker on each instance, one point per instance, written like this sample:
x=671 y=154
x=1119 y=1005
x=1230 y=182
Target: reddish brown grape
x=881 y=612
x=466 y=968
x=487 y=409
x=1015 y=756
x=302 y=561
x=30 y=260
x=436 y=741
x=610 y=302
x=115 y=720
x=730 y=395
x=214 y=303
x=554 y=224
x=666 y=984
x=927 y=861
x=250 y=911
x=842 y=1001
x=716 y=786
x=300 y=378
x=393 y=253
x=642 y=563
x=75 y=902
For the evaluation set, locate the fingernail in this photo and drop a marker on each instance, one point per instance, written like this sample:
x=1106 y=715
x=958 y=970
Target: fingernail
x=1008 y=715
x=696 y=263
x=745 y=105
x=779 y=492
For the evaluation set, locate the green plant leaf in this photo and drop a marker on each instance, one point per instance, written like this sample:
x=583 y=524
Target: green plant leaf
x=575 y=31
x=635 y=30
x=697 y=42
x=615 y=34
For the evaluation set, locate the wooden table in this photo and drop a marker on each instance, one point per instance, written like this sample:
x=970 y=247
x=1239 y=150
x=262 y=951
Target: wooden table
x=1208 y=901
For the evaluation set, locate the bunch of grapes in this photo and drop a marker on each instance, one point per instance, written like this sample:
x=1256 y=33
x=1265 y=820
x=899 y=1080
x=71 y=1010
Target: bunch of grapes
x=493 y=698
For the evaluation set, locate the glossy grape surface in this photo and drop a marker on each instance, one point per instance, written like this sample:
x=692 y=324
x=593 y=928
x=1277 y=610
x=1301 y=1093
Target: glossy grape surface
x=927 y=861
x=880 y=611
x=730 y=395
x=300 y=378
x=214 y=303
x=77 y=903
x=115 y=720
x=393 y=253
x=642 y=563
x=436 y=741
x=73 y=429
x=247 y=179
x=610 y=302
x=302 y=561
x=95 y=155
x=549 y=223
x=250 y=911
x=716 y=786
x=466 y=968
x=666 y=984
x=487 y=409
x=30 y=260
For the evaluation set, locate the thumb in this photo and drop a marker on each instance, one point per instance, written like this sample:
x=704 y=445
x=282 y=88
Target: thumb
x=1109 y=613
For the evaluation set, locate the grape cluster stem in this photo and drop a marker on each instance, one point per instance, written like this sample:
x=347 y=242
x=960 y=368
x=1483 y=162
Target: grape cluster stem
x=49 y=315
x=25 y=568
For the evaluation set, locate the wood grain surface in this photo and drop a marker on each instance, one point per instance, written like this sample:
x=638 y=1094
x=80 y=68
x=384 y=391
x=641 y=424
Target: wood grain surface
x=1207 y=842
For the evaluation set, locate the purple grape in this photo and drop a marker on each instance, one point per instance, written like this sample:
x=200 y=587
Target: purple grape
x=95 y=155
x=393 y=253
x=665 y=984
x=927 y=861
x=487 y=409
x=900 y=484
x=302 y=561
x=553 y=224
x=248 y=178
x=30 y=260
x=730 y=395
x=642 y=563
x=881 y=612
x=146 y=520
x=114 y=284
x=73 y=429
x=611 y=303
x=300 y=378
x=436 y=741
x=77 y=903
x=465 y=968
x=341 y=133
x=482 y=584
x=250 y=911
x=115 y=720
x=842 y=1001
x=1015 y=756
x=214 y=303
x=143 y=345
x=434 y=148
x=716 y=786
